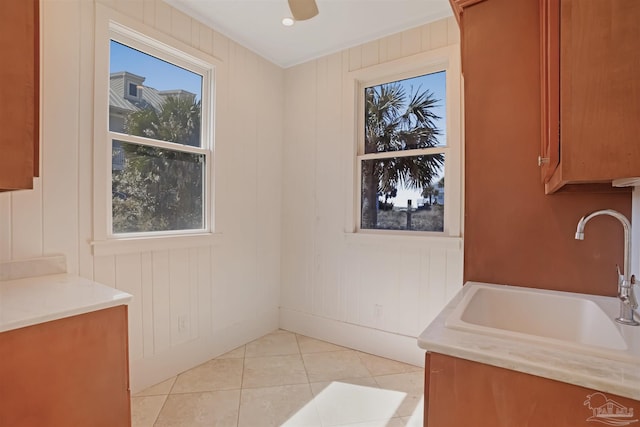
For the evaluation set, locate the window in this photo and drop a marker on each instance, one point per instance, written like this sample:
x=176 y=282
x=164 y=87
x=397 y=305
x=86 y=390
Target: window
x=408 y=146
x=153 y=167
x=133 y=90
x=158 y=159
x=402 y=161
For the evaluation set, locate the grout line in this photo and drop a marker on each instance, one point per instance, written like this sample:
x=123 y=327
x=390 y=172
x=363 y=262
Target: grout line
x=244 y=358
x=306 y=372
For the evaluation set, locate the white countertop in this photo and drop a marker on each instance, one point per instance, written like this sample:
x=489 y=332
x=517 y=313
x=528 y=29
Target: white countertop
x=33 y=300
x=594 y=372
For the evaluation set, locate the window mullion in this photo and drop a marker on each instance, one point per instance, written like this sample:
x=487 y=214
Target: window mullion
x=156 y=143
x=403 y=153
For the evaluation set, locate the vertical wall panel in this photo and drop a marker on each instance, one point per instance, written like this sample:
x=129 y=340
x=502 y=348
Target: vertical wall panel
x=204 y=285
x=350 y=286
x=330 y=221
x=163 y=16
x=146 y=301
x=437 y=282
x=161 y=302
x=179 y=295
x=194 y=288
x=180 y=26
x=453 y=31
x=405 y=302
x=26 y=222
x=129 y=279
x=439 y=34
x=298 y=190
x=269 y=170
x=221 y=46
x=104 y=270
x=205 y=39
x=5 y=226
x=355 y=58
x=149 y=12
x=425 y=37
x=394 y=46
x=85 y=149
x=132 y=8
x=370 y=54
x=411 y=41
x=61 y=101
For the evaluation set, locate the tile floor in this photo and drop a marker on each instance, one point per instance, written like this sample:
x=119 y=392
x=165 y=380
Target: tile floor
x=286 y=379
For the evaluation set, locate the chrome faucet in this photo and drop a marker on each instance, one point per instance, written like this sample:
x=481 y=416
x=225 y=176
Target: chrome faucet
x=626 y=293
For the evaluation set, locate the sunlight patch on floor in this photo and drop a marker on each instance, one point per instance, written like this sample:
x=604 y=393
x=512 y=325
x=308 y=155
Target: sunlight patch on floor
x=343 y=404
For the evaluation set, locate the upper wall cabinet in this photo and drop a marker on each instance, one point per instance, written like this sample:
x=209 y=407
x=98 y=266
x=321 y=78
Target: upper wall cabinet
x=19 y=94
x=590 y=92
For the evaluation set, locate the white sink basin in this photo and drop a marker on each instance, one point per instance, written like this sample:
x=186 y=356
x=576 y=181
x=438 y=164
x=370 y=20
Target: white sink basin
x=572 y=321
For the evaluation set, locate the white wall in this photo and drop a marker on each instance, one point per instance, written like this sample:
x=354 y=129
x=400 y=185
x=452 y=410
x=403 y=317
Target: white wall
x=374 y=293
x=226 y=294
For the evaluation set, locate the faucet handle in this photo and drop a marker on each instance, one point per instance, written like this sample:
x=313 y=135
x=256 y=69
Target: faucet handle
x=622 y=281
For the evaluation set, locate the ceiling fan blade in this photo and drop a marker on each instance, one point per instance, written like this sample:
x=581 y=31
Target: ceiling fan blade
x=303 y=9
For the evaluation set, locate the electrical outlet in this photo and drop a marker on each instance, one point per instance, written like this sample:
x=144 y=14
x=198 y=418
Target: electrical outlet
x=377 y=311
x=182 y=323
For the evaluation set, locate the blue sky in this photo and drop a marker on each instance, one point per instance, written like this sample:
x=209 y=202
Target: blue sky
x=436 y=84
x=159 y=74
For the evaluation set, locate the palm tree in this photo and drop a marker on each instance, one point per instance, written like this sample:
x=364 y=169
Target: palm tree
x=430 y=191
x=397 y=122
x=160 y=189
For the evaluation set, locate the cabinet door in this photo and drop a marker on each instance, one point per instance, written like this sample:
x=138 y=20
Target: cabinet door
x=68 y=372
x=550 y=90
x=465 y=393
x=599 y=92
x=19 y=92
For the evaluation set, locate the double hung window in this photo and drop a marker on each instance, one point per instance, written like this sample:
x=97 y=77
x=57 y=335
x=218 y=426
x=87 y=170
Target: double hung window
x=402 y=153
x=156 y=158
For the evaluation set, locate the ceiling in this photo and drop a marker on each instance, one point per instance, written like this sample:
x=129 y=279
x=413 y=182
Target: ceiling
x=257 y=24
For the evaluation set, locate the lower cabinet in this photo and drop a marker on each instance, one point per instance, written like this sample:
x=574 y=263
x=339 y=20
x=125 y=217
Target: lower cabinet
x=68 y=372
x=460 y=392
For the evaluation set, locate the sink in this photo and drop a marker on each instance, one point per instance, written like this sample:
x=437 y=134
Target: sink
x=561 y=319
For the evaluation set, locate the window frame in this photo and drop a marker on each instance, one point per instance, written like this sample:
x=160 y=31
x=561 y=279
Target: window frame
x=111 y=25
x=442 y=59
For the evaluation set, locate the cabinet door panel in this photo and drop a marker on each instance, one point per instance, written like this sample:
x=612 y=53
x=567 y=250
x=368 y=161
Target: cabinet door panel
x=461 y=392
x=19 y=93
x=550 y=87
x=68 y=372
x=599 y=92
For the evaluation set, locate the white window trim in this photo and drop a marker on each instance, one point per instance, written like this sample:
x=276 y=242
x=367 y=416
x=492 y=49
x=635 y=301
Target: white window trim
x=448 y=59
x=113 y=25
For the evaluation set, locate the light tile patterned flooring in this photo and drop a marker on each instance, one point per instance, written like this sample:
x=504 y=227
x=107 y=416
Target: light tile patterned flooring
x=286 y=379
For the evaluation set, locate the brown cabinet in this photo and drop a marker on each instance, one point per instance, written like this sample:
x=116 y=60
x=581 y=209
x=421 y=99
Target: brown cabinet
x=19 y=94
x=590 y=91
x=68 y=372
x=460 y=392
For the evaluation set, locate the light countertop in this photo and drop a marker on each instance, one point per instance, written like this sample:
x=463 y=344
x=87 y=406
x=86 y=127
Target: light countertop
x=590 y=371
x=33 y=300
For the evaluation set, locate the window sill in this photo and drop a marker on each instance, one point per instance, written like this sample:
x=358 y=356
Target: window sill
x=403 y=239
x=145 y=244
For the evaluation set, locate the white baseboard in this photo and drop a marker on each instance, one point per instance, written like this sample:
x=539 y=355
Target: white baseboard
x=369 y=340
x=153 y=370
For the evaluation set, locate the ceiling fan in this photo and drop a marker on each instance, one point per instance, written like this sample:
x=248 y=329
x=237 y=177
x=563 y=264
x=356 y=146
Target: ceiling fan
x=303 y=9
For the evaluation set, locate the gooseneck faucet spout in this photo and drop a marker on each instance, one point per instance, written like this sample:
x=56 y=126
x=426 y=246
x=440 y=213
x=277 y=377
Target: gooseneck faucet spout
x=626 y=293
